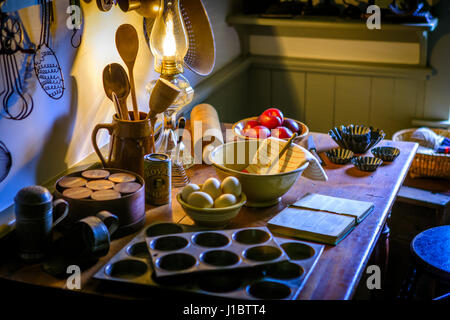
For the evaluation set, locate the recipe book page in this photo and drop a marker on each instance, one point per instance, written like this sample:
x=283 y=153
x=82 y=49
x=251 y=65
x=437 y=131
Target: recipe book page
x=354 y=208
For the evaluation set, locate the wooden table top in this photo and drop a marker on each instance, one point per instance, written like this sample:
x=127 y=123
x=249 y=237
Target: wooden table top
x=340 y=267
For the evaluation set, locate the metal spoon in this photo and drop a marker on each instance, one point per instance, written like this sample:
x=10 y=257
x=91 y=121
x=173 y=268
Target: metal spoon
x=115 y=80
x=127 y=44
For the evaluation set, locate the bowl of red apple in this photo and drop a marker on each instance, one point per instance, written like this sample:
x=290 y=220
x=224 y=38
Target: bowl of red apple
x=271 y=123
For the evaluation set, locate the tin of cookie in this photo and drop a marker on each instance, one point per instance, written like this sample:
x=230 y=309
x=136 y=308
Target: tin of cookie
x=77 y=193
x=127 y=187
x=105 y=195
x=95 y=174
x=122 y=177
x=97 y=185
x=72 y=182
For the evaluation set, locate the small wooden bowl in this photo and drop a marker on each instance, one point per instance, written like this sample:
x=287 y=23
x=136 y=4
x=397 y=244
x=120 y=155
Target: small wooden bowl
x=367 y=163
x=386 y=153
x=130 y=208
x=340 y=155
x=238 y=127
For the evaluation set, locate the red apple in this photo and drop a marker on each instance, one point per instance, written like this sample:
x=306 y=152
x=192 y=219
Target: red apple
x=281 y=133
x=257 y=132
x=291 y=125
x=274 y=112
x=270 y=122
x=251 y=124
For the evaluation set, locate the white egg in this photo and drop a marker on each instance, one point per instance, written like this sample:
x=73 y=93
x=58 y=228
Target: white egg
x=231 y=185
x=200 y=199
x=225 y=200
x=212 y=187
x=191 y=187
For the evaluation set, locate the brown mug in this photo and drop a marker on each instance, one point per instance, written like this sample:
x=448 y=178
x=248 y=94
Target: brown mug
x=130 y=141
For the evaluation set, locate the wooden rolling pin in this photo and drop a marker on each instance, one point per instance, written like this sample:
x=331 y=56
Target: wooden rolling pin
x=211 y=132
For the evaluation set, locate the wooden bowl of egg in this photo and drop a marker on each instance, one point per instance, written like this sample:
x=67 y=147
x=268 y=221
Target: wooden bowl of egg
x=213 y=203
x=118 y=191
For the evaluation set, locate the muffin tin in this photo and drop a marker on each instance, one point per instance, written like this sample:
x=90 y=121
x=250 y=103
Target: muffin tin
x=283 y=279
x=204 y=251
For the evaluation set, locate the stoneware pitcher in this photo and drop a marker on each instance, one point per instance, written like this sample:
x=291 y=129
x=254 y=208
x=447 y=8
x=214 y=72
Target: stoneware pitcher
x=130 y=141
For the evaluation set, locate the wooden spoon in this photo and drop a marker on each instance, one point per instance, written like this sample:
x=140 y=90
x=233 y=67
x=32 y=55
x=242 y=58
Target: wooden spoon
x=127 y=44
x=115 y=80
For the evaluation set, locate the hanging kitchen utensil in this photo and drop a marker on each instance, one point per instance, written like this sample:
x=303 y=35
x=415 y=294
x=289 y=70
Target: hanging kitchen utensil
x=17 y=105
x=46 y=64
x=5 y=161
x=10 y=34
x=127 y=44
x=201 y=55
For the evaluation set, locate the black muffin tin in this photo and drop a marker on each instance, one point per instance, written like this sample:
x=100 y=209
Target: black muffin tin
x=281 y=279
x=206 y=251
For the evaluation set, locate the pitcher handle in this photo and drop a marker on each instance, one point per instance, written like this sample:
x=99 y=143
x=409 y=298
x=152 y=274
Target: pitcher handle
x=107 y=126
x=110 y=220
x=58 y=203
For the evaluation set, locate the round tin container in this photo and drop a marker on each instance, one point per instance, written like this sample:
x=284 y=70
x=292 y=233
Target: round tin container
x=158 y=178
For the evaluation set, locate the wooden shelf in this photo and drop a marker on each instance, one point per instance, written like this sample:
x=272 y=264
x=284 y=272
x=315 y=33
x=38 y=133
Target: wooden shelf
x=321 y=22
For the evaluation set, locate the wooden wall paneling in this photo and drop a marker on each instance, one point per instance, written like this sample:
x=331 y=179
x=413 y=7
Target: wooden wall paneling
x=405 y=103
x=237 y=97
x=288 y=93
x=259 y=85
x=319 y=101
x=352 y=100
x=382 y=104
x=219 y=101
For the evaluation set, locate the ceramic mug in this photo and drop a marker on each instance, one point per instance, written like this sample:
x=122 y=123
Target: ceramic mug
x=90 y=237
x=130 y=141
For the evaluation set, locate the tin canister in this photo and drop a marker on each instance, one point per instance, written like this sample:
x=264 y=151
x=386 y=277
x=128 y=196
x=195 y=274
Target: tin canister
x=158 y=178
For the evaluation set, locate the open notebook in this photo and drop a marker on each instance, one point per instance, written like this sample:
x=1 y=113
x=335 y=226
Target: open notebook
x=320 y=218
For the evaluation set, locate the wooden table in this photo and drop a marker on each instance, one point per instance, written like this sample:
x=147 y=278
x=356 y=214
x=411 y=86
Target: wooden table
x=340 y=267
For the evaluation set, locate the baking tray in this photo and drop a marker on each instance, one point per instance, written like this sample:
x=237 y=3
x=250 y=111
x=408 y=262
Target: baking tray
x=283 y=280
x=219 y=250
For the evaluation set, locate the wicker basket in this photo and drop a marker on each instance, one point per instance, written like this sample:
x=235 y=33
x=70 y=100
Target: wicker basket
x=427 y=164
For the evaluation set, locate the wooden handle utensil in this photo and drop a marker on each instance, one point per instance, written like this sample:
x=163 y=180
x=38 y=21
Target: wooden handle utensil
x=127 y=44
x=163 y=95
x=282 y=152
x=115 y=81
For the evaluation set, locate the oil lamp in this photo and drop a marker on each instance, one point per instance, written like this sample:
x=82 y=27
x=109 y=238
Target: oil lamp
x=169 y=45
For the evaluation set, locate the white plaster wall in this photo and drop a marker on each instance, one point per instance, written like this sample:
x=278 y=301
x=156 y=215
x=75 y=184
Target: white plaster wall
x=57 y=134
